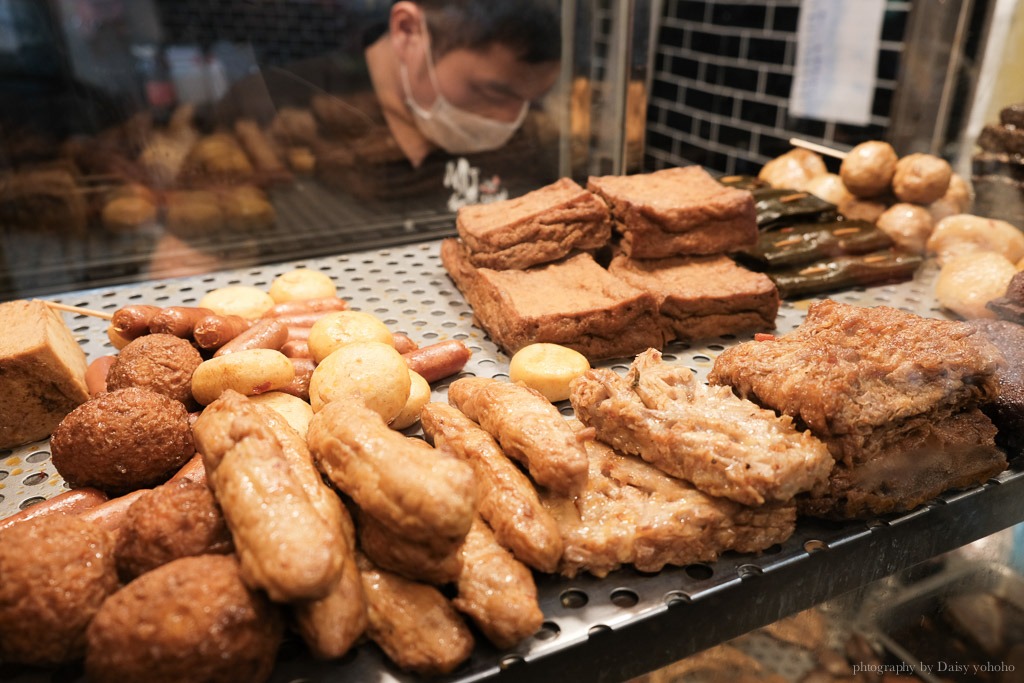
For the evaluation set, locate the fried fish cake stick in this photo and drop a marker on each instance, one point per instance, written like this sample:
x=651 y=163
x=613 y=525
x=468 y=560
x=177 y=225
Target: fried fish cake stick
x=284 y=546
x=496 y=590
x=528 y=428
x=413 y=623
x=416 y=561
x=508 y=501
x=330 y=625
x=417 y=492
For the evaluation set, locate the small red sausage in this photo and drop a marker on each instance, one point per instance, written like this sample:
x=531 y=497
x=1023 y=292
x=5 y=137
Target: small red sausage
x=324 y=305
x=96 y=375
x=69 y=502
x=214 y=331
x=131 y=322
x=296 y=348
x=264 y=334
x=403 y=344
x=303 y=373
x=440 y=360
x=110 y=515
x=178 y=320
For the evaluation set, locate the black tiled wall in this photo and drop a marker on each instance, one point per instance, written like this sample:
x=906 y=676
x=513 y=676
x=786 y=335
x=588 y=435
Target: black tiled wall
x=721 y=82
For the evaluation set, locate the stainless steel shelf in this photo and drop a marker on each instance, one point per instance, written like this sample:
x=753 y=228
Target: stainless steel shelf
x=595 y=629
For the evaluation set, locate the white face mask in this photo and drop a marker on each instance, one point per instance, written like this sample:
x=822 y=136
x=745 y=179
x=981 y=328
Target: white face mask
x=455 y=130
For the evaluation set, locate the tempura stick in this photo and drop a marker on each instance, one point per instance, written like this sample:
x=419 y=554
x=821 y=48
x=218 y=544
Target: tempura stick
x=815 y=147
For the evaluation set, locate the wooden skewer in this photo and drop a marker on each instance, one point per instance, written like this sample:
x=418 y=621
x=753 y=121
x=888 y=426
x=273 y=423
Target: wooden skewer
x=815 y=147
x=79 y=310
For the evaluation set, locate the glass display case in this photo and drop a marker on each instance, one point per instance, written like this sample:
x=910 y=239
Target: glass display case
x=151 y=151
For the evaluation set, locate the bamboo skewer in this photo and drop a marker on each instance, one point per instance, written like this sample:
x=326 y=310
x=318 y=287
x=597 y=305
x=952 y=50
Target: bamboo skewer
x=79 y=310
x=815 y=147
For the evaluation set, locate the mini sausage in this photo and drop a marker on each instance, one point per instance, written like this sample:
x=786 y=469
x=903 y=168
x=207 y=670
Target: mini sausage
x=299 y=306
x=298 y=333
x=299 y=386
x=304 y=319
x=264 y=334
x=440 y=360
x=214 y=331
x=193 y=470
x=96 y=375
x=178 y=320
x=296 y=348
x=110 y=515
x=69 y=502
x=131 y=322
x=403 y=344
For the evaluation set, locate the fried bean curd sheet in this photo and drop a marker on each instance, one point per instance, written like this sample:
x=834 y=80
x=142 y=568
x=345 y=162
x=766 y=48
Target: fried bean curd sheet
x=496 y=590
x=413 y=623
x=633 y=513
x=284 y=545
x=850 y=369
x=723 y=445
x=508 y=500
x=332 y=624
x=528 y=427
x=412 y=489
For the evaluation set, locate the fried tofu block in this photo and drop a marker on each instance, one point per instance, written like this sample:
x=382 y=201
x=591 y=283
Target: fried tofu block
x=677 y=211
x=42 y=372
x=540 y=226
x=574 y=302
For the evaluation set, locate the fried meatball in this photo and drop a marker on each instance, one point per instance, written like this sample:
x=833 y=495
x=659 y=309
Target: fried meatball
x=121 y=441
x=189 y=620
x=829 y=187
x=794 y=169
x=174 y=520
x=159 y=362
x=868 y=169
x=57 y=570
x=909 y=226
x=859 y=209
x=921 y=178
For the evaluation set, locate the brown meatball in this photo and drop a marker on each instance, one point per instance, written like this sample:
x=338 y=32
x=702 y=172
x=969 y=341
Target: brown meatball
x=859 y=209
x=909 y=226
x=121 y=441
x=921 y=178
x=174 y=520
x=868 y=168
x=190 y=620
x=794 y=169
x=159 y=362
x=57 y=571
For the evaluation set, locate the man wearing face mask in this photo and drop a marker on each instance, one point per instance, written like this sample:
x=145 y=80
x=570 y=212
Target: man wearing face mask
x=442 y=90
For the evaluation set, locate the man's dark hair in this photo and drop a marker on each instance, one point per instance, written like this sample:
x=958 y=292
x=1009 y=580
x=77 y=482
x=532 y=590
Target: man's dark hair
x=530 y=28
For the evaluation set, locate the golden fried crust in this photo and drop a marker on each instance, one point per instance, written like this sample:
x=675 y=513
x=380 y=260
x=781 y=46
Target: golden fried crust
x=174 y=520
x=413 y=490
x=332 y=624
x=56 y=572
x=415 y=561
x=413 y=623
x=508 y=501
x=122 y=441
x=160 y=362
x=528 y=428
x=284 y=546
x=496 y=590
x=192 y=619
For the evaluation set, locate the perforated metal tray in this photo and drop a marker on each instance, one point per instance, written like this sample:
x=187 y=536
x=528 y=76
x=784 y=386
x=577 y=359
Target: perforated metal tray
x=629 y=623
